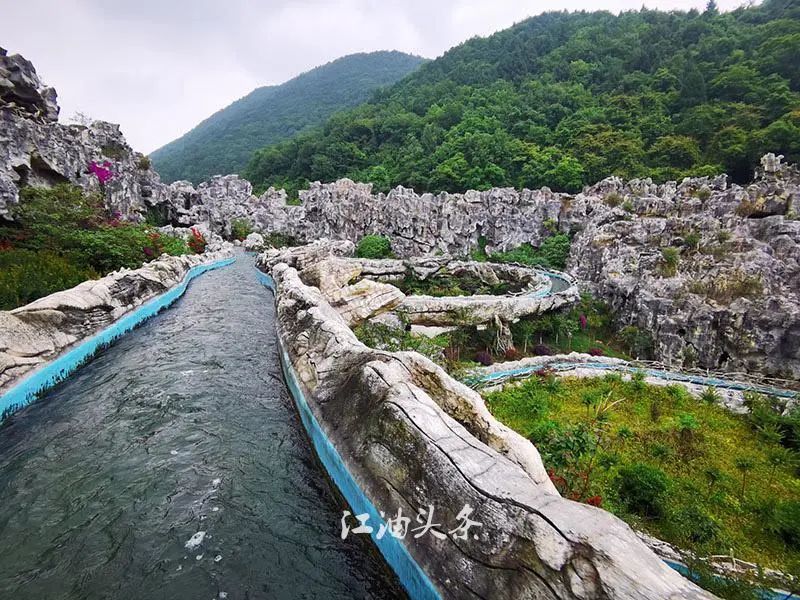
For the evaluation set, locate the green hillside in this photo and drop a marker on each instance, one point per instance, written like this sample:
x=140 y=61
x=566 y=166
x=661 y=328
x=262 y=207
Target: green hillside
x=565 y=99
x=225 y=141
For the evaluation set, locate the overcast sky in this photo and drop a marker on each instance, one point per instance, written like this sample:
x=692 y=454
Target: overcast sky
x=158 y=67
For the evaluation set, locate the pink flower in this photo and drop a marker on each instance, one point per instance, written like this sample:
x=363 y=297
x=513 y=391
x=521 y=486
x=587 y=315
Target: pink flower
x=102 y=172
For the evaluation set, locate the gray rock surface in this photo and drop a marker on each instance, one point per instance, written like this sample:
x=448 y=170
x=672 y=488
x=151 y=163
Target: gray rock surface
x=733 y=302
x=23 y=91
x=364 y=299
x=412 y=438
x=38 y=332
x=254 y=242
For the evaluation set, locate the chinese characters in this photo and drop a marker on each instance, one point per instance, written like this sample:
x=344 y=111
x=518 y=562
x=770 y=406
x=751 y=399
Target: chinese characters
x=399 y=526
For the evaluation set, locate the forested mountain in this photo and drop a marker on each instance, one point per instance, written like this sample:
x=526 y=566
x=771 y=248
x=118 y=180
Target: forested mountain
x=565 y=99
x=225 y=141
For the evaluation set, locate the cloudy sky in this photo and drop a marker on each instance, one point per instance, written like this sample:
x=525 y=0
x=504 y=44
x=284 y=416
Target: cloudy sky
x=158 y=67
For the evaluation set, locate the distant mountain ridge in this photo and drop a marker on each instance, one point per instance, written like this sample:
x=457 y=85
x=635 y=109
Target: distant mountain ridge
x=565 y=99
x=225 y=141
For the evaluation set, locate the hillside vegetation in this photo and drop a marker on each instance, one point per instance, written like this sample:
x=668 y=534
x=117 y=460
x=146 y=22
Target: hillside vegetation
x=225 y=141
x=566 y=99
x=62 y=236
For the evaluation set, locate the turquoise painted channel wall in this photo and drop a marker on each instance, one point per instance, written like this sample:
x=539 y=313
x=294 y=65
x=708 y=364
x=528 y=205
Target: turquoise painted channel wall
x=412 y=577
x=32 y=385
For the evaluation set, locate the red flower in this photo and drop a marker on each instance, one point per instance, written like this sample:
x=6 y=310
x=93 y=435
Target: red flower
x=197 y=243
x=594 y=501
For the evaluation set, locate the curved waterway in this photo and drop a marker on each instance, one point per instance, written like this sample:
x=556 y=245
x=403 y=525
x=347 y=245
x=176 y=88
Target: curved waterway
x=183 y=426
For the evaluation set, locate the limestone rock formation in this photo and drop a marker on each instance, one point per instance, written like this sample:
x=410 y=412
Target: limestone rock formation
x=254 y=242
x=36 y=150
x=37 y=332
x=413 y=438
x=731 y=305
x=23 y=91
x=301 y=257
x=727 y=298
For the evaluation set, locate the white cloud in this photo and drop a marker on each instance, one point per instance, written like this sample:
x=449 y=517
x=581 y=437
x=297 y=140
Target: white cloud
x=158 y=67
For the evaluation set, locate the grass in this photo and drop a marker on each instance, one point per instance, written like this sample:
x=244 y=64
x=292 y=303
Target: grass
x=724 y=491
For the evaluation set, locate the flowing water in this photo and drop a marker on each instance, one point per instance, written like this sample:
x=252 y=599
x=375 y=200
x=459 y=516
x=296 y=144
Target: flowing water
x=183 y=426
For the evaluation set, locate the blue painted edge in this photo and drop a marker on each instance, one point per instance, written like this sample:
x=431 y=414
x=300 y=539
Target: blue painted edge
x=411 y=575
x=766 y=594
x=32 y=385
x=667 y=375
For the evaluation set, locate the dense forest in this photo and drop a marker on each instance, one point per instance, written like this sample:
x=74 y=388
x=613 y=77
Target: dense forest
x=225 y=141
x=566 y=99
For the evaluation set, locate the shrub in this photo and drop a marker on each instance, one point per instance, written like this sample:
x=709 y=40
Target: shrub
x=552 y=253
x=613 y=199
x=692 y=240
x=197 y=243
x=26 y=275
x=511 y=354
x=143 y=164
x=724 y=236
x=670 y=259
x=638 y=343
x=62 y=236
x=788 y=522
x=695 y=524
x=638 y=380
x=103 y=171
x=484 y=357
x=542 y=350
x=374 y=246
x=710 y=396
x=728 y=286
x=240 y=229
x=595 y=351
x=642 y=489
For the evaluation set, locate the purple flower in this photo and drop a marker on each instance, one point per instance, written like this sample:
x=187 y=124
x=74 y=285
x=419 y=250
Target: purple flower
x=102 y=172
x=583 y=321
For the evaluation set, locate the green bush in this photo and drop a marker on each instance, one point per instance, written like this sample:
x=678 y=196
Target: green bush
x=788 y=522
x=670 y=259
x=642 y=489
x=374 y=246
x=240 y=229
x=552 y=253
x=695 y=524
x=26 y=275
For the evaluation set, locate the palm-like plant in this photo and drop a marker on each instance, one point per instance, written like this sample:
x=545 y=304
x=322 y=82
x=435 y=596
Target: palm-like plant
x=744 y=465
